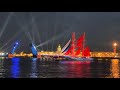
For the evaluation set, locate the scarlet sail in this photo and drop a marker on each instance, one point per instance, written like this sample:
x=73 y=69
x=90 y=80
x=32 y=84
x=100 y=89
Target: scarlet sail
x=86 y=52
x=80 y=41
x=71 y=49
x=78 y=52
x=68 y=52
x=79 y=45
x=75 y=47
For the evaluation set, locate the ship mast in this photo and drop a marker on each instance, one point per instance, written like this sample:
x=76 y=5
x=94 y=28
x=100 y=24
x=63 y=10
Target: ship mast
x=73 y=44
x=83 y=45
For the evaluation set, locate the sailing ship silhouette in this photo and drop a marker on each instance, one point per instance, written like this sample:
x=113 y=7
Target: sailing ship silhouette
x=76 y=49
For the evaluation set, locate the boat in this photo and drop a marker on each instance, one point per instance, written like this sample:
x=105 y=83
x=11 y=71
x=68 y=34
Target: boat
x=74 y=48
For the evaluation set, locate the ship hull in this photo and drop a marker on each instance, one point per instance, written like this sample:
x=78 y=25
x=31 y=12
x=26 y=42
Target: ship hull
x=78 y=58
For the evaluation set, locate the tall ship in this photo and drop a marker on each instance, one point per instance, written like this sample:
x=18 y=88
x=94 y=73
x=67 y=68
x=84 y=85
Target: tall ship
x=76 y=49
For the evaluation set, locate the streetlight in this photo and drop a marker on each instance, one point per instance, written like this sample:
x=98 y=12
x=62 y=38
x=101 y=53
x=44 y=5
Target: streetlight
x=114 y=48
x=115 y=44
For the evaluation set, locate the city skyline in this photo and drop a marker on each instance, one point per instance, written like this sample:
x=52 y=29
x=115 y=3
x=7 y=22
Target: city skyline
x=101 y=28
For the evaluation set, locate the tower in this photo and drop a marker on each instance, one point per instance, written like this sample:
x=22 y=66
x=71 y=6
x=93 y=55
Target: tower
x=114 y=48
x=59 y=50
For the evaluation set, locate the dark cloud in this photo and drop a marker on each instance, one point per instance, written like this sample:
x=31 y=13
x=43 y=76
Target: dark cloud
x=102 y=28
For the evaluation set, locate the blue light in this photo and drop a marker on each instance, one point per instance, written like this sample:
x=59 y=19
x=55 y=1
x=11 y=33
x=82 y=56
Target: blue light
x=16 y=42
x=14 y=48
x=33 y=48
x=15 y=59
x=15 y=68
x=34 y=59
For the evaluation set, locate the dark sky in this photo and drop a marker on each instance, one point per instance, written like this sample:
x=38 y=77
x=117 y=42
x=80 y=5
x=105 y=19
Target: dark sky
x=102 y=29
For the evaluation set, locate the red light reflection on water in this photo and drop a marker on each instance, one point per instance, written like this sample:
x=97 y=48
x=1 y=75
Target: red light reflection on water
x=77 y=69
x=75 y=62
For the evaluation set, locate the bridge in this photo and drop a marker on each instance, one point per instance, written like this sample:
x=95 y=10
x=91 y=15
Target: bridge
x=34 y=50
x=32 y=47
x=10 y=55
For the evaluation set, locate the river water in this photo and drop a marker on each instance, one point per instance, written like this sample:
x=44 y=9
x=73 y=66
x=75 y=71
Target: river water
x=36 y=68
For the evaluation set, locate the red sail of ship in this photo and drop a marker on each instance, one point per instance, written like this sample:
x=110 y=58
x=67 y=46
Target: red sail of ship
x=75 y=47
x=71 y=50
x=68 y=51
x=78 y=52
x=79 y=45
x=86 y=52
x=80 y=41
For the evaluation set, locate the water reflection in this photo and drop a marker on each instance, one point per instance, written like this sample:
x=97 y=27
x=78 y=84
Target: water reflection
x=15 y=68
x=114 y=68
x=34 y=73
x=77 y=69
x=35 y=68
x=1 y=67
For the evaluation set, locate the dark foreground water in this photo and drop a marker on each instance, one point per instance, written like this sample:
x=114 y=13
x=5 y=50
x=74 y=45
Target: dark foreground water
x=32 y=68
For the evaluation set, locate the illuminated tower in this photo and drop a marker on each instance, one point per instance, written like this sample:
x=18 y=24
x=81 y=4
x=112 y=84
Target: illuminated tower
x=59 y=48
x=114 y=48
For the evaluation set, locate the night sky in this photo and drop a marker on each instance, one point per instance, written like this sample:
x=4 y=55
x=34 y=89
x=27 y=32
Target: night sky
x=102 y=29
